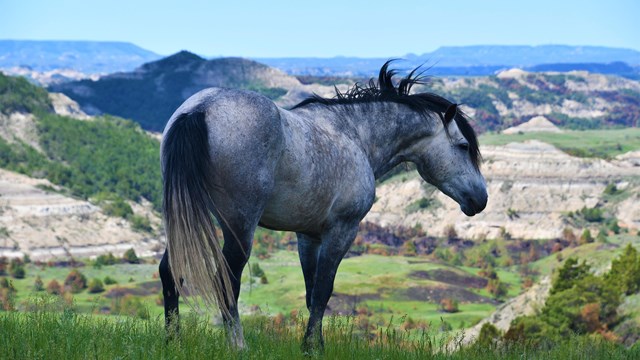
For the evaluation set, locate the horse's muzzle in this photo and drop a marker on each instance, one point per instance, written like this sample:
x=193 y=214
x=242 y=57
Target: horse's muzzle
x=474 y=202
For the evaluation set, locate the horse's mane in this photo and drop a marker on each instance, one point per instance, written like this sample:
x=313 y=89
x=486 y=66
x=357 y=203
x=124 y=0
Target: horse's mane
x=385 y=91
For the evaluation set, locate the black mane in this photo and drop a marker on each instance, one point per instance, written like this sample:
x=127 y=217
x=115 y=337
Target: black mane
x=385 y=91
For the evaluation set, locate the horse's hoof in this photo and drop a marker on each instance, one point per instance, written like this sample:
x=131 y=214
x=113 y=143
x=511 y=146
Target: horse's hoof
x=311 y=348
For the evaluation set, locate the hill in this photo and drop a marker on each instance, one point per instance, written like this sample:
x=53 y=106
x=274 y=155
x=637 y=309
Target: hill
x=152 y=92
x=72 y=186
x=471 y=60
x=84 y=56
x=577 y=100
x=574 y=100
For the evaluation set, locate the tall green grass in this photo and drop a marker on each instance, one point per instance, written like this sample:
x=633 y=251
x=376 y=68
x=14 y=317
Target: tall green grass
x=68 y=335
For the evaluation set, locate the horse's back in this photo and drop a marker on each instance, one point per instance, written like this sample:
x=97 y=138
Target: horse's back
x=244 y=134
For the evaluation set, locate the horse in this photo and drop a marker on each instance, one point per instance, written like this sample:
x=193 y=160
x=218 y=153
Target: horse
x=235 y=157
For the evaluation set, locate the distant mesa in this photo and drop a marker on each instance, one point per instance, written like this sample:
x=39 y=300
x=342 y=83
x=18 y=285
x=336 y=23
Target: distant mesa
x=536 y=124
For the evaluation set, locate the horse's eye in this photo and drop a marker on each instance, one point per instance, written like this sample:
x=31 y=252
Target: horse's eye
x=464 y=146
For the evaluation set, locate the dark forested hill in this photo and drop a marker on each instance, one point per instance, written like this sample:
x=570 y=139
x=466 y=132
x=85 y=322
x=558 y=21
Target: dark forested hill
x=151 y=93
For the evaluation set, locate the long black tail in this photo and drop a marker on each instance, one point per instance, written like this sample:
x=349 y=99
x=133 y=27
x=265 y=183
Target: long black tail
x=195 y=254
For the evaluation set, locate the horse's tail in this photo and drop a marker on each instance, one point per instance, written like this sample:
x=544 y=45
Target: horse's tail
x=195 y=254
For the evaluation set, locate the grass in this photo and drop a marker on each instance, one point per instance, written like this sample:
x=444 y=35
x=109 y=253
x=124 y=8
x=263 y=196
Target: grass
x=584 y=143
x=371 y=281
x=68 y=335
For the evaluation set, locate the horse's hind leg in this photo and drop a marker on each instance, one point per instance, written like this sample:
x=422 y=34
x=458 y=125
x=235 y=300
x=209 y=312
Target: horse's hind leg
x=170 y=296
x=238 y=218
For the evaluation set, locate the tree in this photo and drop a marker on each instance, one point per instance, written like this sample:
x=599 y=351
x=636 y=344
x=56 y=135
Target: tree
x=75 y=281
x=96 y=286
x=586 y=237
x=16 y=269
x=54 y=288
x=449 y=305
x=410 y=248
x=256 y=270
x=489 y=335
x=131 y=257
x=497 y=288
x=625 y=271
x=569 y=274
x=38 y=285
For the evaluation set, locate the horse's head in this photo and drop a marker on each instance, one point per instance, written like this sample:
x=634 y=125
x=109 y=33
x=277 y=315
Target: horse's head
x=449 y=160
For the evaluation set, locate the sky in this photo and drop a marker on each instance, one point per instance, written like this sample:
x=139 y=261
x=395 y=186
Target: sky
x=299 y=28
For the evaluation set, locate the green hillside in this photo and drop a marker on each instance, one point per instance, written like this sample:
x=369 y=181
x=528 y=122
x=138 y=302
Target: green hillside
x=604 y=143
x=106 y=157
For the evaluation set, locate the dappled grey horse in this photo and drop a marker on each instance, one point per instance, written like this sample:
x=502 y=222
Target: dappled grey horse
x=236 y=156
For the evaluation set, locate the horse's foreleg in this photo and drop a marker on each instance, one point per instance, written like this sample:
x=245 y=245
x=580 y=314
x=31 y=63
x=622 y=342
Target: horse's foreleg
x=171 y=296
x=308 y=251
x=335 y=244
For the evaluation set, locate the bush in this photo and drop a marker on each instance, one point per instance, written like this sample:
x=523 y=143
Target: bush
x=131 y=257
x=592 y=214
x=497 y=288
x=586 y=237
x=117 y=207
x=140 y=223
x=449 y=305
x=75 y=281
x=108 y=280
x=54 y=287
x=96 y=286
x=489 y=335
x=130 y=305
x=38 y=285
x=256 y=270
x=107 y=259
x=17 y=271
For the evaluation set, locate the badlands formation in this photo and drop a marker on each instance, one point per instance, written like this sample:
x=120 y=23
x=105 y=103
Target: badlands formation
x=531 y=185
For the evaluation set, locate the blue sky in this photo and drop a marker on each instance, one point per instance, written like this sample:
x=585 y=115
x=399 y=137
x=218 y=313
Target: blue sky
x=279 y=28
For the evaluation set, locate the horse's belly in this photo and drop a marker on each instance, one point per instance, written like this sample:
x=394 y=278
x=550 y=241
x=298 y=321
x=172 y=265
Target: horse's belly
x=297 y=212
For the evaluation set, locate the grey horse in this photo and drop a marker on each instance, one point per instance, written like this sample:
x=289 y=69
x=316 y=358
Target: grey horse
x=236 y=156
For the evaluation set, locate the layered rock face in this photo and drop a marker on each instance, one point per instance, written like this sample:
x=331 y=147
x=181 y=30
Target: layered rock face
x=532 y=186
x=36 y=220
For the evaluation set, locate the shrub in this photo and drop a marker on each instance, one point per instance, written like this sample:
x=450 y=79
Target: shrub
x=592 y=214
x=117 y=207
x=625 y=271
x=17 y=271
x=449 y=305
x=131 y=257
x=497 y=288
x=489 y=335
x=7 y=299
x=75 y=281
x=130 y=305
x=586 y=237
x=107 y=259
x=96 y=286
x=256 y=270
x=140 y=223
x=450 y=232
x=38 y=285
x=108 y=280
x=54 y=287
x=3 y=264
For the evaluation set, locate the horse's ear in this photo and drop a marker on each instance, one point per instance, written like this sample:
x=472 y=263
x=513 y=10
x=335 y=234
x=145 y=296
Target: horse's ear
x=451 y=112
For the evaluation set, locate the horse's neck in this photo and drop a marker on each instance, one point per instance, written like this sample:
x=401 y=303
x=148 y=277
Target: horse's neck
x=384 y=131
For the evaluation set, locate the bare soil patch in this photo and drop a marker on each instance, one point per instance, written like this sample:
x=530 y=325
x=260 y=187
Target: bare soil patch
x=451 y=277
x=437 y=294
